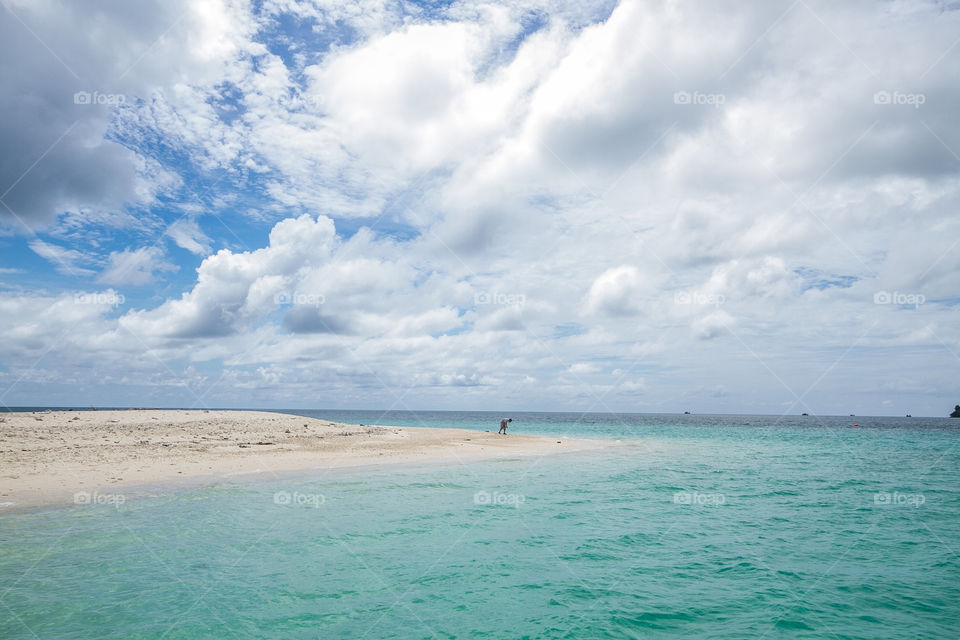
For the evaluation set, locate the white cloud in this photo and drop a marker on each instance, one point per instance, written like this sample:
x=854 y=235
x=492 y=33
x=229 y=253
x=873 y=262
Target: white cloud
x=220 y=303
x=66 y=261
x=581 y=368
x=766 y=277
x=186 y=234
x=713 y=325
x=618 y=291
x=69 y=323
x=508 y=318
x=135 y=267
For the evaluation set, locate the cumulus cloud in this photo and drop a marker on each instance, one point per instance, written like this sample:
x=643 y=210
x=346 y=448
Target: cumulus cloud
x=617 y=292
x=235 y=288
x=712 y=325
x=766 y=277
x=72 y=323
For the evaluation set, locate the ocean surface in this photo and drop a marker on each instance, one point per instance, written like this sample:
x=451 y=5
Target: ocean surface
x=689 y=526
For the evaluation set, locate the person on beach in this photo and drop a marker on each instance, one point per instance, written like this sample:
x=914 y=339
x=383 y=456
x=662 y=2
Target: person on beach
x=503 y=425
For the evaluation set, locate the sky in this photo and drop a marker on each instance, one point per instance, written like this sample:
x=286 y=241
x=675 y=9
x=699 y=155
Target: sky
x=663 y=206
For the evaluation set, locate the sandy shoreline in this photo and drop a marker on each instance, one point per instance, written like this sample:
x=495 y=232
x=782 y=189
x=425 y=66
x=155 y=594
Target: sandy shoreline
x=47 y=458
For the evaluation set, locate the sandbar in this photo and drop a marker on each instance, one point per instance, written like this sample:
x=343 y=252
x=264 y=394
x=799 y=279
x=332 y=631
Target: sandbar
x=51 y=457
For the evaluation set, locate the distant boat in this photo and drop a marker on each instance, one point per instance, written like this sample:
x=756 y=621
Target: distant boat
x=804 y=414
x=909 y=416
x=852 y=415
x=686 y=413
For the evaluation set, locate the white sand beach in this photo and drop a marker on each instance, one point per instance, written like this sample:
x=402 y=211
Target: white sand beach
x=47 y=457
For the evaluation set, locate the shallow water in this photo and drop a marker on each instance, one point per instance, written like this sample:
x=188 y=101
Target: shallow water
x=693 y=526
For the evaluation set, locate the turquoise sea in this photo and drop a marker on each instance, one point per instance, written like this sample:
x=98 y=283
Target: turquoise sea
x=689 y=527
